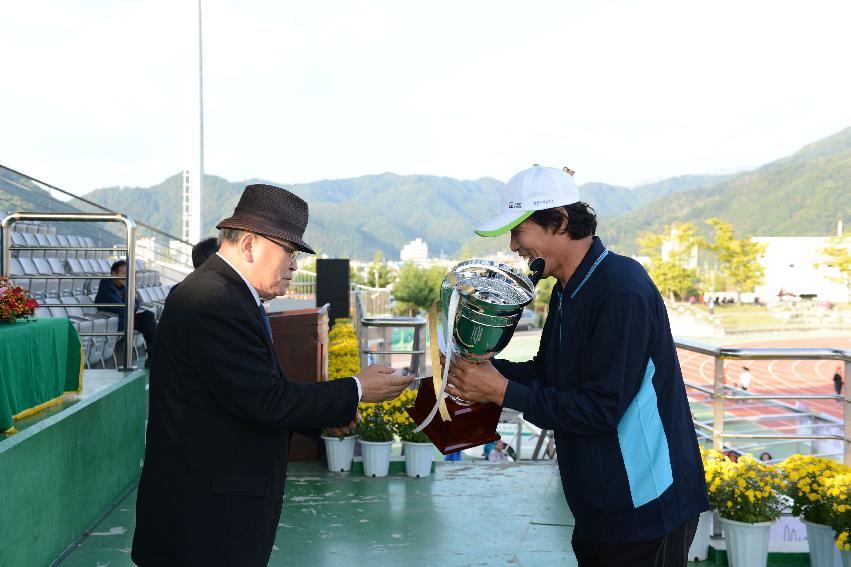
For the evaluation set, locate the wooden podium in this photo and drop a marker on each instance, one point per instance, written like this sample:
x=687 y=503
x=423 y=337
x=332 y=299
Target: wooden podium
x=301 y=342
x=471 y=425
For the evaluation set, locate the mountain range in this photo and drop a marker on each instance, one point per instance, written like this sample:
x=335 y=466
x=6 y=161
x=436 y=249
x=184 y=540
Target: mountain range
x=801 y=194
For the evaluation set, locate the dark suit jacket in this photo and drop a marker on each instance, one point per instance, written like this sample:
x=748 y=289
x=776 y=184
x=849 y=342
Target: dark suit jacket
x=221 y=412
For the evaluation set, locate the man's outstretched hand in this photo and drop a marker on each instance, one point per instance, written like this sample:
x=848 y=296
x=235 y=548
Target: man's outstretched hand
x=344 y=430
x=380 y=383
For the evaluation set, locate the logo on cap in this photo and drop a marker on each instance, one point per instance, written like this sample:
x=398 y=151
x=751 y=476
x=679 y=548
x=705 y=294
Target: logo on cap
x=515 y=204
x=540 y=202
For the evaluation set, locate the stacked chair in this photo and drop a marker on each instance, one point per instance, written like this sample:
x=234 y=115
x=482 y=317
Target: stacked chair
x=49 y=276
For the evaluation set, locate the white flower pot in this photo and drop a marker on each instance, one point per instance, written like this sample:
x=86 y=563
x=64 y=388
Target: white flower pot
x=747 y=544
x=339 y=452
x=823 y=550
x=418 y=458
x=846 y=558
x=699 y=549
x=376 y=457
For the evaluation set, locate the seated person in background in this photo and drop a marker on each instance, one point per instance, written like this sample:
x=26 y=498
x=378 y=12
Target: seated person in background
x=112 y=291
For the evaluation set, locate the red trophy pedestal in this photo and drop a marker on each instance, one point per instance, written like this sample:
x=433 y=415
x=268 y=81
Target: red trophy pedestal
x=470 y=426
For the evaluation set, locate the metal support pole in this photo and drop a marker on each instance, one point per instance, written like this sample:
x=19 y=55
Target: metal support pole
x=519 y=437
x=5 y=231
x=130 y=292
x=718 y=405
x=846 y=422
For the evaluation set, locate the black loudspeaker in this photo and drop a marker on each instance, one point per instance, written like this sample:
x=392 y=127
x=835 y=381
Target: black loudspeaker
x=332 y=287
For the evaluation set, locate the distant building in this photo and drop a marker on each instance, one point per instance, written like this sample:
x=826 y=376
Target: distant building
x=790 y=266
x=415 y=251
x=672 y=247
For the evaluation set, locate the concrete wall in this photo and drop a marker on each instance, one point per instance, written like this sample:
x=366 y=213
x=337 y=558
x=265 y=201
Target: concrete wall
x=59 y=475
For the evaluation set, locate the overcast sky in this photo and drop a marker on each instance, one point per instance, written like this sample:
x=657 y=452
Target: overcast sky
x=94 y=93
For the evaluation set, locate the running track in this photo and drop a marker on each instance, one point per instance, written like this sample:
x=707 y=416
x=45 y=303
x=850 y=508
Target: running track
x=772 y=376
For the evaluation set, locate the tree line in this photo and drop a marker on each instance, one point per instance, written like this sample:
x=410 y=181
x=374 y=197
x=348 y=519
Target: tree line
x=681 y=262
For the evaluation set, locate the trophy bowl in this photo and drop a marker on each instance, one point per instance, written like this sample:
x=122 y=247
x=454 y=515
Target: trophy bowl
x=481 y=303
x=492 y=297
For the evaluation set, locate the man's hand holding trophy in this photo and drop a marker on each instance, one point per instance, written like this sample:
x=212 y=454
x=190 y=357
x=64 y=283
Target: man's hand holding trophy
x=480 y=303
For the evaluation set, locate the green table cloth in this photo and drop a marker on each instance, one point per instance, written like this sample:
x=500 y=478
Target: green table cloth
x=40 y=360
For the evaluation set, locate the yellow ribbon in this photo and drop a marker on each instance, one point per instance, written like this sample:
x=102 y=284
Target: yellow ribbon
x=436 y=368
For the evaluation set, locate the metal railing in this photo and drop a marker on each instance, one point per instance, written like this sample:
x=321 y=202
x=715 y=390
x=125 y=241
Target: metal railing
x=375 y=301
x=303 y=285
x=385 y=324
x=719 y=392
x=168 y=253
x=129 y=247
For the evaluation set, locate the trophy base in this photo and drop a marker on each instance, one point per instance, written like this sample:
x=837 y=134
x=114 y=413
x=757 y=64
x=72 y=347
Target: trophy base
x=471 y=425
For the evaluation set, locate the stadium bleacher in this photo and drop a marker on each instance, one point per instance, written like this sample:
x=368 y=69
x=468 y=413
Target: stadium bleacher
x=46 y=263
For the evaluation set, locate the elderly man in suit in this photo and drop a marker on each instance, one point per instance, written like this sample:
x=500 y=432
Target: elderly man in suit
x=221 y=407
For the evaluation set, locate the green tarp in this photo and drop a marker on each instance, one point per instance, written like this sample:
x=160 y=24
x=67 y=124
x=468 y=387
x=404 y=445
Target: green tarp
x=40 y=359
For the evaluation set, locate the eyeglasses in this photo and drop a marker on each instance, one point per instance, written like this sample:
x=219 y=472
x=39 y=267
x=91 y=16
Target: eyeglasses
x=294 y=254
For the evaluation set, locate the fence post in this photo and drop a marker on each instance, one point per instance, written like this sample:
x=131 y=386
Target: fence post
x=718 y=404
x=846 y=421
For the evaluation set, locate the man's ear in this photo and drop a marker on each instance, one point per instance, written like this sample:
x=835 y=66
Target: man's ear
x=246 y=246
x=565 y=221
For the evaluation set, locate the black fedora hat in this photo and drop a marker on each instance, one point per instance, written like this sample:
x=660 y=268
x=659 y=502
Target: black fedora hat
x=271 y=211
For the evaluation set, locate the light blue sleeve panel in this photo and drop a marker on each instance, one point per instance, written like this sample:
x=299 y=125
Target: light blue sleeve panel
x=644 y=446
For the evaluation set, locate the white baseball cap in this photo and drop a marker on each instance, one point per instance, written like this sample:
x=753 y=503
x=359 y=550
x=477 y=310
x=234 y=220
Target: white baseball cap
x=531 y=190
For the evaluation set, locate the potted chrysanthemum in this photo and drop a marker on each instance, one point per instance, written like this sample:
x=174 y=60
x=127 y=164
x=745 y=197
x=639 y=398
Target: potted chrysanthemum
x=807 y=476
x=419 y=450
x=748 y=496
x=342 y=363
x=375 y=434
x=838 y=497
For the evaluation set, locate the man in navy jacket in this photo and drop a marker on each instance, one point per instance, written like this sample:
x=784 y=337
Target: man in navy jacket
x=112 y=291
x=606 y=380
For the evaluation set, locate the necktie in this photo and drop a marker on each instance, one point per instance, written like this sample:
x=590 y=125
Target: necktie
x=265 y=317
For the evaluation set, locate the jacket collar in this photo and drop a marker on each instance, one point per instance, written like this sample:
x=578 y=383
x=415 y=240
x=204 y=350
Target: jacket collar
x=218 y=265
x=253 y=291
x=585 y=267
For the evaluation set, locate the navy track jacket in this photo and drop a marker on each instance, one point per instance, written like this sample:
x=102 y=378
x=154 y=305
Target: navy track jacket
x=607 y=380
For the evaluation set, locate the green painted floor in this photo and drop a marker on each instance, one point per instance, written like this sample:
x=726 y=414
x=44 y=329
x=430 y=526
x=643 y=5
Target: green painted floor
x=471 y=513
x=467 y=513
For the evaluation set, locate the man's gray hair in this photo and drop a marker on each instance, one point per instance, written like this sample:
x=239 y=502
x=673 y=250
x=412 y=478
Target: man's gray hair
x=229 y=235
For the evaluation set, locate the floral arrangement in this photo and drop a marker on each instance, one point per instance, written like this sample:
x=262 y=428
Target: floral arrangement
x=343 y=360
x=838 y=497
x=404 y=424
x=382 y=421
x=15 y=301
x=745 y=491
x=377 y=421
x=807 y=485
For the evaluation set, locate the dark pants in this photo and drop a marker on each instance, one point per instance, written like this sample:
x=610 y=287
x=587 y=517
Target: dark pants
x=668 y=551
x=146 y=323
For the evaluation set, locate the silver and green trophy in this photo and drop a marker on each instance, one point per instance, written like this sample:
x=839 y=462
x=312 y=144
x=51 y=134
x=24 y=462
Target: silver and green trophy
x=480 y=304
